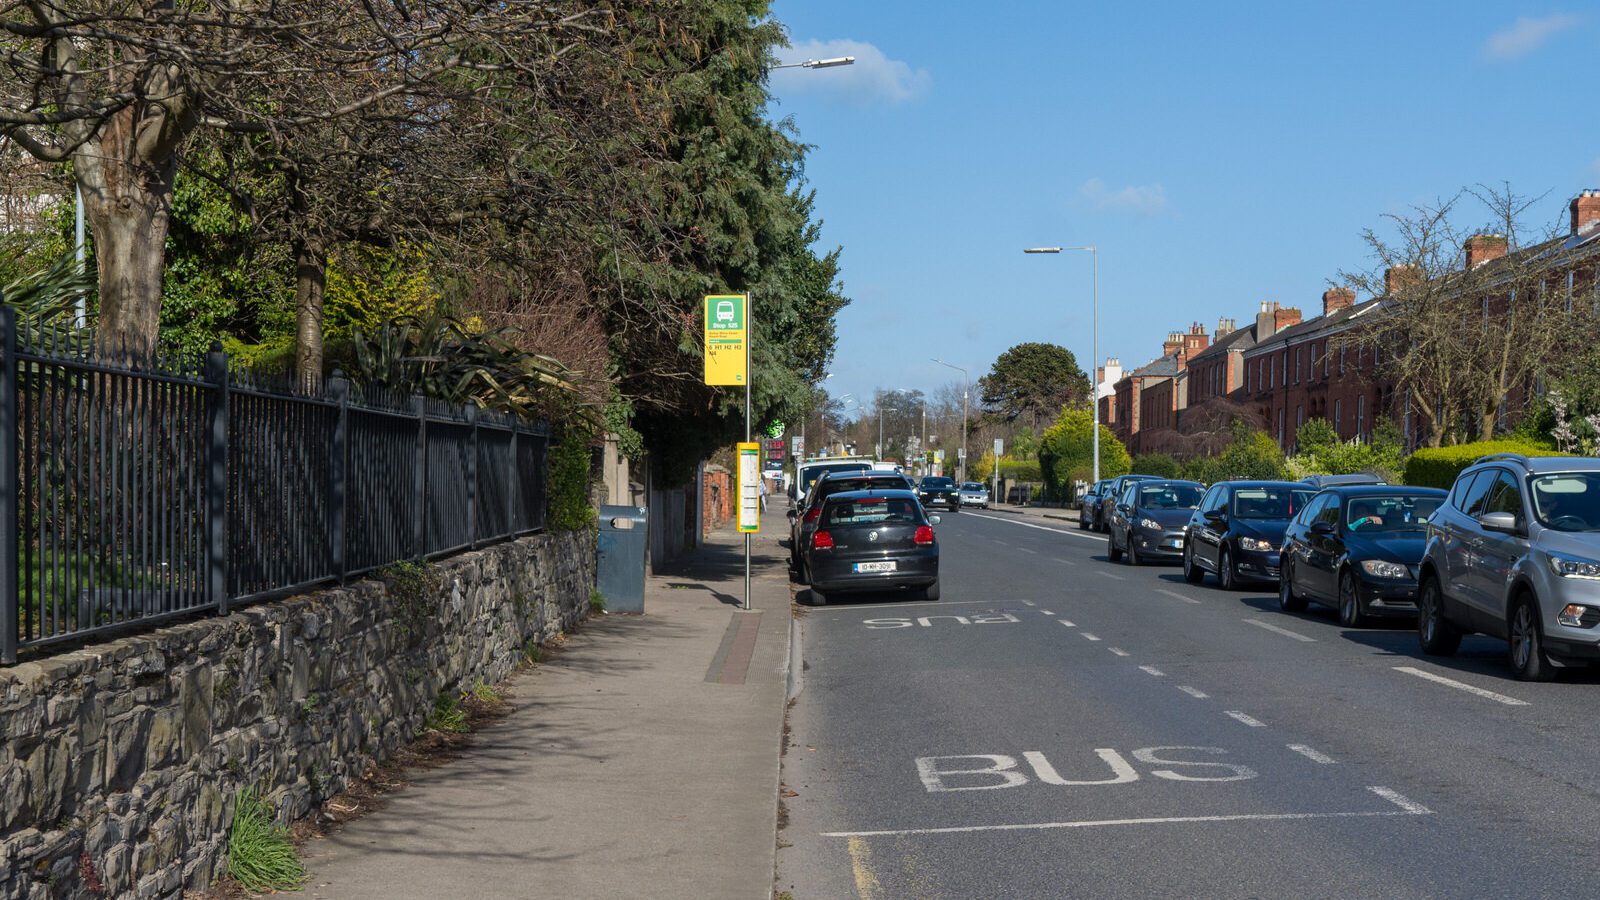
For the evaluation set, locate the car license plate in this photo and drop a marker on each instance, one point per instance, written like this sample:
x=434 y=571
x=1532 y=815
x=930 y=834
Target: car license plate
x=875 y=567
x=1176 y=543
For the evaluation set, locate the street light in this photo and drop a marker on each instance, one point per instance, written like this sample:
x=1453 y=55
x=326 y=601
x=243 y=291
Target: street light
x=820 y=63
x=1094 y=338
x=966 y=385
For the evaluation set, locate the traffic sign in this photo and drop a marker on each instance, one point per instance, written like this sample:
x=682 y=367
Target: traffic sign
x=726 y=337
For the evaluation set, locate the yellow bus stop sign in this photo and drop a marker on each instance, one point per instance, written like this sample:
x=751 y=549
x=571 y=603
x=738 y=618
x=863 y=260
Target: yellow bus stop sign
x=726 y=336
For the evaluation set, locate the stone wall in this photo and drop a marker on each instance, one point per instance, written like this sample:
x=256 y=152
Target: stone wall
x=120 y=762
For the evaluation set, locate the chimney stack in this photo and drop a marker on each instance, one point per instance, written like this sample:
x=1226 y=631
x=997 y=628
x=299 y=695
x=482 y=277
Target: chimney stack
x=1397 y=277
x=1224 y=327
x=1335 y=299
x=1173 y=343
x=1585 y=211
x=1284 y=317
x=1196 y=340
x=1482 y=248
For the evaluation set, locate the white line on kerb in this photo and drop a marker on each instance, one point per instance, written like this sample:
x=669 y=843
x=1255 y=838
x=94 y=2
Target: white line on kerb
x=1067 y=623
x=1405 y=803
x=1176 y=596
x=1109 y=575
x=1117 y=650
x=1415 y=810
x=1193 y=692
x=1461 y=685
x=1283 y=631
x=1152 y=670
x=1080 y=534
x=1088 y=637
x=1311 y=754
x=1248 y=720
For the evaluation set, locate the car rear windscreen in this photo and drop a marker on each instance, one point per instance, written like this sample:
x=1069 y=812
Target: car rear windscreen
x=812 y=473
x=871 y=511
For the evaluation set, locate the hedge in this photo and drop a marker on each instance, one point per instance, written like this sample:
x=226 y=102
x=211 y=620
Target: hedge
x=1439 y=466
x=1020 y=470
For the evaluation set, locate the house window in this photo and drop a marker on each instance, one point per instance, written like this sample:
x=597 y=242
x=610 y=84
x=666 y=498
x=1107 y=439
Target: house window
x=1361 y=415
x=1341 y=358
x=1299 y=417
x=1281 y=435
x=1570 y=275
x=1297 y=365
x=1338 y=415
x=1325 y=354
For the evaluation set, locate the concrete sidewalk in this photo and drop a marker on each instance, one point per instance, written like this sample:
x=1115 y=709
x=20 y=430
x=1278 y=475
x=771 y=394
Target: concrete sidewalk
x=641 y=761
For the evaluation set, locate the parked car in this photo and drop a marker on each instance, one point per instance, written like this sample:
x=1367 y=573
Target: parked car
x=975 y=493
x=1514 y=553
x=1238 y=529
x=1108 y=499
x=1148 y=520
x=1357 y=549
x=803 y=520
x=806 y=474
x=1323 y=481
x=873 y=541
x=936 y=490
x=1089 y=506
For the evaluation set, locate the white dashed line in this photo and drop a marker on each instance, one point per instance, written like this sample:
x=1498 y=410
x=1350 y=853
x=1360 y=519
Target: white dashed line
x=1411 y=810
x=1109 y=575
x=1248 y=720
x=1177 y=596
x=1152 y=670
x=1462 y=686
x=1027 y=603
x=1405 y=803
x=1047 y=612
x=1088 y=637
x=1193 y=692
x=1117 y=650
x=1026 y=550
x=1067 y=623
x=1311 y=754
x=1276 y=630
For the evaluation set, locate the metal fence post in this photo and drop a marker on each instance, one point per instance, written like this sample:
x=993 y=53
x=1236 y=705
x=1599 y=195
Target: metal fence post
x=217 y=480
x=10 y=599
x=338 y=471
x=419 y=483
x=514 y=481
x=472 y=478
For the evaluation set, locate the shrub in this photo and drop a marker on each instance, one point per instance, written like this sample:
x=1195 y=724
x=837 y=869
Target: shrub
x=569 y=481
x=1162 y=464
x=260 y=855
x=1439 y=466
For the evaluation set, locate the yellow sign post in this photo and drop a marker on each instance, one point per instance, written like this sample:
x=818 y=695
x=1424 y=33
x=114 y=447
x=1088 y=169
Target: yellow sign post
x=749 y=488
x=727 y=339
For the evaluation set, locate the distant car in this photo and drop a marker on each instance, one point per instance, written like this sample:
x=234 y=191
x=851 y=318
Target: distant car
x=808 y=472
x=936 y=490
x=1148 y=521
x=1325 y=481
x=975 y=493
x=1238 y=529
x=1357 y=549
x=1089 y=506
x=1102 y=516
x=873 y=541
x=803 y=520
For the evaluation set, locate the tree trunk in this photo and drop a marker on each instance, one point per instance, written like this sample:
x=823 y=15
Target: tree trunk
x=127 y=206
x=311 y=280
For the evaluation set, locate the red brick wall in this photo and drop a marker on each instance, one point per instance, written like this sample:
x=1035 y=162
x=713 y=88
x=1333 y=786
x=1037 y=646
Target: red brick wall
x=717 y=500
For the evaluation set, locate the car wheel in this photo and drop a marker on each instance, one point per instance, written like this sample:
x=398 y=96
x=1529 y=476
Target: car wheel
x=1083 y=521
x=931 y=592
x=1113 y=552
x=1133 y=553
x=1288 y=600
x=1435 y=633
x=1350 y=612
x=1191 y=572
x=1225 y=574
x=818 y=598
x=1528 y=660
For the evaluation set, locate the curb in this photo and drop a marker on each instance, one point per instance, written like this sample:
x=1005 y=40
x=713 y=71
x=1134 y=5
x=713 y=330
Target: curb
x=795 y=662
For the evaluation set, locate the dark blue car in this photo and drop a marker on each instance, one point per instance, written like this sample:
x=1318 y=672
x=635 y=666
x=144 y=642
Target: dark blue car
x=1357 y=549
x=1238 y=529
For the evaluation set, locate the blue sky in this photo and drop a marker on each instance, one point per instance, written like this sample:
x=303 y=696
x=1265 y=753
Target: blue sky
x=1218 y=154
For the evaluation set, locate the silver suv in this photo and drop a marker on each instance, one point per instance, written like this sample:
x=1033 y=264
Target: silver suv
x=1515 y=554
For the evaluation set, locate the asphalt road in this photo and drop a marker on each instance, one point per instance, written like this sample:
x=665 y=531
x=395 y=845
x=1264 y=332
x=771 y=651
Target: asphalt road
x=1059 y=725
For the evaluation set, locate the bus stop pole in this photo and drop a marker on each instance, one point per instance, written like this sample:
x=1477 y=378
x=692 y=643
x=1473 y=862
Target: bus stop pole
x=750 y=333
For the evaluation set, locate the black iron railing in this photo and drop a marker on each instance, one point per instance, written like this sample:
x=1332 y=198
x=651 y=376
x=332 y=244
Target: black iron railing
x=133 y=494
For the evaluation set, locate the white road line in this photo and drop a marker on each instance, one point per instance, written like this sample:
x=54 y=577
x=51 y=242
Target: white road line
x=1066 y=623
x=1027 y=603
x=1109 y=575
x=1152 y=670
x=1081 y=534
x=1088 y=637
x=1400 y=800
x=1193 y=692
x=1026 y=550
x=1412 y=810
x=1047 y=612
x=1176 y=596
x=1118 y=651
x=1248 y=720
x=813 y=610
x=1311 y=754
x=1283 y=631
x=1461 y=685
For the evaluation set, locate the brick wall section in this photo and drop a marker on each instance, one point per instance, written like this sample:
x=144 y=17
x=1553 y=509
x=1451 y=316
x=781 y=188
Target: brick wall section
x=129 y=754
x=717 y=500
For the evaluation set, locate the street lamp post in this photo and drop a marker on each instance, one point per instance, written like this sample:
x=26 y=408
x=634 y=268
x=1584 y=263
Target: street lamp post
x=1094 y=343
x=819 y=63
x=966 y=387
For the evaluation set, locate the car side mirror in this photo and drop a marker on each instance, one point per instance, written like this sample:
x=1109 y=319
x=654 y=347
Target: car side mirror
x=1503 y=522
x=793 y=513
x=933 y=520
x=1216 y=519
x=1322 y=528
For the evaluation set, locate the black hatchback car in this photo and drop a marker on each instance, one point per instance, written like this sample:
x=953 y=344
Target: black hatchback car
x=1108 y=498
x=803 y=520
x=1148 y=521
x=936 y=490
x=873 y=541
x=1238 y=529
x=1357 y=549
x=1089 y=506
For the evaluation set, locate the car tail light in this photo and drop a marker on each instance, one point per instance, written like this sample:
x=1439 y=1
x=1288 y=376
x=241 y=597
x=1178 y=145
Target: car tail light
x=824 y=541
x=814 y=514
x=924 y=535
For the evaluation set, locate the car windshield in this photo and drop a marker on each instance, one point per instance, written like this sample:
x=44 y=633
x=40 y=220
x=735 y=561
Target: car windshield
x=1390 y=512
x=1269 y=502
x=838 y=484
x=1169 y=496
x=871 y=510
x=812 y=473
x=973 y=486
x=931 y=482
x=1569 y=501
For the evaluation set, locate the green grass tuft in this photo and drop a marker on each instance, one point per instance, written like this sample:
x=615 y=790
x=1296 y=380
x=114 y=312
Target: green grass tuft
x=485 y=692
x=597 y=601
x=260 y=855
x=447 y=715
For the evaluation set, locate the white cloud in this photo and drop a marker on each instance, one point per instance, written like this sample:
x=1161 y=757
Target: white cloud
x=1140 y=198
x=873 y=77
x=1527 y=35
